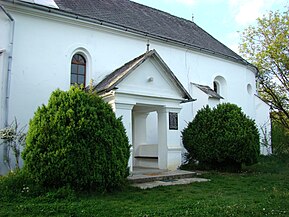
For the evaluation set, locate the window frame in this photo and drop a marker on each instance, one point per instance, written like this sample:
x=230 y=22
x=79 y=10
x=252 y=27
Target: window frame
x=78 y=60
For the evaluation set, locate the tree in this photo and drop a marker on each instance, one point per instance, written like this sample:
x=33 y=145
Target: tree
x=266 y=45
x=280 y=139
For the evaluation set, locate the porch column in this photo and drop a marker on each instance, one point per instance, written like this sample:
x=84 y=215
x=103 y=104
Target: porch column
x=162 y=138
x=170 y=150
x=125 y=111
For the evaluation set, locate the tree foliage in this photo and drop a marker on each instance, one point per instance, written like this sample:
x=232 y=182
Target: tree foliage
x=280 y=139
x=222 y=138
x=266 y=45
x=76 y=141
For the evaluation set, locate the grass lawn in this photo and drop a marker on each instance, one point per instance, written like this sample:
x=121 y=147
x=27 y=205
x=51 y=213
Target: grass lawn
x=262 y=190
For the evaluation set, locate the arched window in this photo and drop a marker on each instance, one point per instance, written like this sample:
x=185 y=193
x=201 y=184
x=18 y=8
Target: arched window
x=78 y=70
x=220 y=86
x=249 y=89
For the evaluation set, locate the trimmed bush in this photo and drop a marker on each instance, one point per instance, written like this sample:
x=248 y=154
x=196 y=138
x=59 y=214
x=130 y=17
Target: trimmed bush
x=76 y=141
x=222 y=138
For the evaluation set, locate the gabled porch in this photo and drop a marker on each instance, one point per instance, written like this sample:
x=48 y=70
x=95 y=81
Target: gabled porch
x=148 y=96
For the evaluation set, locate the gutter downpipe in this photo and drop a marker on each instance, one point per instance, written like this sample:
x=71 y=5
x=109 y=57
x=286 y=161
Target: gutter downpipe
x=8 y=80
x=8 y=76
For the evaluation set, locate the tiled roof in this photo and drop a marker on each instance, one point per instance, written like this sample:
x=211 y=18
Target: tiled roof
x=209 y=91
x=148 y=21
x=112 y=80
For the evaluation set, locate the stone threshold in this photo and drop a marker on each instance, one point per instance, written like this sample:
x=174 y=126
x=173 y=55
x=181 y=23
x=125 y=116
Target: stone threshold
x=144 y=175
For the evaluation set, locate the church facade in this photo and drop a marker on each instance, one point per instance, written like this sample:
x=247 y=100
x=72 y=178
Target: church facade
x=156 y=70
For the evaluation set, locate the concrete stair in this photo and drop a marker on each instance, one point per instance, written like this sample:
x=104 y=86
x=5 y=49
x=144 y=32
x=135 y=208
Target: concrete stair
x=145 y=175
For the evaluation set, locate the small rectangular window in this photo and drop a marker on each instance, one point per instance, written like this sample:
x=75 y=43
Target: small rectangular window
x=173 y=121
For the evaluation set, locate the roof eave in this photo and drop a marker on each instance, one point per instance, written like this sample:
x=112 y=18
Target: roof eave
x=127 y=29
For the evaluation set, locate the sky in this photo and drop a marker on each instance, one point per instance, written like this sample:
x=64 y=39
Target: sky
x=223 y=19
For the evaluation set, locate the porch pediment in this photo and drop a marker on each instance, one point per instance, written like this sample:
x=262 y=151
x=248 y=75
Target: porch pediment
x=146 y=75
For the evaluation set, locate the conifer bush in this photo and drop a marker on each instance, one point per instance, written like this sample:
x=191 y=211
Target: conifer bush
x=76 y=141
x=222 y=138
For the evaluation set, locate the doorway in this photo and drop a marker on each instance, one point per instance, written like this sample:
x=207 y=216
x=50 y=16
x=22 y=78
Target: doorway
x=145 y=136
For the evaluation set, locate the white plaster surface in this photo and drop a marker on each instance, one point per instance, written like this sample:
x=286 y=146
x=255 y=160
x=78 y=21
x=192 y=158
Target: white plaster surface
x=44 y=44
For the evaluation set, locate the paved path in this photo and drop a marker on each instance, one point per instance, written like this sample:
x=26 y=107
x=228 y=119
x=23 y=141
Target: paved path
x=168 y=182
x=149 y=178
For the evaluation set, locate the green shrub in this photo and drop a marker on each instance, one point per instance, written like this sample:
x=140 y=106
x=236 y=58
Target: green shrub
x=76 y=141
x=222 y=138
x=16 y=185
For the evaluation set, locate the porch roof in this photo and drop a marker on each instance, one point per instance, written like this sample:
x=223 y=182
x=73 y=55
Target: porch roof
x=111 y=81
x=209 y=91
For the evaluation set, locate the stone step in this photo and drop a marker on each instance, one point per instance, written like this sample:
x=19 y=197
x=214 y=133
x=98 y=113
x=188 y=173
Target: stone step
x=159 y=175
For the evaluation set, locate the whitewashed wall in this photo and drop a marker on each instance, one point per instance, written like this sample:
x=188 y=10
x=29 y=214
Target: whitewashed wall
x=43 y=49
x=45 y=43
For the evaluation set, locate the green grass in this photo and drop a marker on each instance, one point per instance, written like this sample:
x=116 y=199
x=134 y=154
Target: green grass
x=261 y=190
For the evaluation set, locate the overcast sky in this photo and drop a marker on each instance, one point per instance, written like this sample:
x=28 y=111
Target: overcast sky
x=221 y=18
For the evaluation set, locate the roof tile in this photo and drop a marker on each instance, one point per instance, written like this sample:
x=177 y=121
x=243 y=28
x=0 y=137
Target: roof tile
x=149 y=20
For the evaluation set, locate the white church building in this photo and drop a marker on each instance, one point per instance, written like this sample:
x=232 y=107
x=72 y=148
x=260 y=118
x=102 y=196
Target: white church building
x=155 y=69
